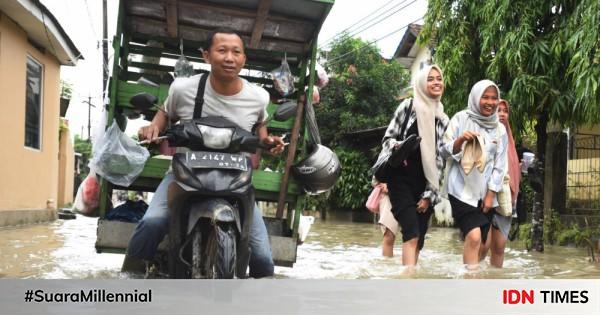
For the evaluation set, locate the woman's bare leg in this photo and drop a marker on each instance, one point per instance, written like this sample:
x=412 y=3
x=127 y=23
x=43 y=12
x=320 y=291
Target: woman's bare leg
x=471 y=248
x=388 y=243
x=483 y=249
x=410 y=252
x=498 y=246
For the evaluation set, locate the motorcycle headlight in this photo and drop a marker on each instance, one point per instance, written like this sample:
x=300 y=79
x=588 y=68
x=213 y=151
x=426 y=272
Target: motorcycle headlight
x=216 y=138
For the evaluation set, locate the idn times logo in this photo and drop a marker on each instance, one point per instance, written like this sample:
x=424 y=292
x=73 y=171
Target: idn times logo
x=514 y=296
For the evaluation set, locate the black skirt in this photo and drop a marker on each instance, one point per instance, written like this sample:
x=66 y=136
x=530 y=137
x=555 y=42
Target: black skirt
x=467 y=218
x=406 y=185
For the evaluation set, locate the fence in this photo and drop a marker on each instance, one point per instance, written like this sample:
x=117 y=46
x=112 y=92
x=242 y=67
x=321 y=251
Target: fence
x=583 y=175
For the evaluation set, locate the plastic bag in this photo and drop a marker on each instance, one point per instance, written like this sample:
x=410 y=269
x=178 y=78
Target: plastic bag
x=87 y=200
x=78 y=202
x=322 y=77
x=373 y=200
x=283 y=80
x=119 y=159
x=183 y=68
x=316 y=97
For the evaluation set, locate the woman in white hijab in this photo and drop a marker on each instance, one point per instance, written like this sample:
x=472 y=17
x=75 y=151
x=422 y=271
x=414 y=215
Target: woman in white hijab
x=413 y=186
x=475 y=146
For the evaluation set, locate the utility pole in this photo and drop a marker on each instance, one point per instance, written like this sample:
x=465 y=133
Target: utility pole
x=90 y=105
x=104 y=46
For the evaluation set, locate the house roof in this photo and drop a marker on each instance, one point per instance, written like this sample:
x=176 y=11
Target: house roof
x=408 y=40
x=42 y=28
x=407 y=50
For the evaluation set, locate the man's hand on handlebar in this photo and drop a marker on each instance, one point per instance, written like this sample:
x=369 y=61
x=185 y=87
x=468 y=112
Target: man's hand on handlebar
x=150 y=133
x=276 y=142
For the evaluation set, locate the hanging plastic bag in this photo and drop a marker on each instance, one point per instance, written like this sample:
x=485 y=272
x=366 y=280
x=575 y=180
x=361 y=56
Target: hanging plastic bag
x=322 y=77
x=283 y=80
x=87 y=199
x=119 y=159
x=316 y=97
x=183 y=68
x=78 y=202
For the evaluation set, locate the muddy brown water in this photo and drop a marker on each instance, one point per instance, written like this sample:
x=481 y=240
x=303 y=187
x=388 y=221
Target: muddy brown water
x=334 y=249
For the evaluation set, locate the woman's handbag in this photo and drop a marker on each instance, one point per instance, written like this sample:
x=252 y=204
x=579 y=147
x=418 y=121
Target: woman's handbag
x=396 y=155
x=373 y=200
x=504 y=198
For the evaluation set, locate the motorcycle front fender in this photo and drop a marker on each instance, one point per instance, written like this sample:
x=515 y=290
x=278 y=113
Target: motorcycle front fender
x=214 y=209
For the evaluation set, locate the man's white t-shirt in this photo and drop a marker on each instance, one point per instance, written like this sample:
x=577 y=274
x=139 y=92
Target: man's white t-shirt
x=245 y=108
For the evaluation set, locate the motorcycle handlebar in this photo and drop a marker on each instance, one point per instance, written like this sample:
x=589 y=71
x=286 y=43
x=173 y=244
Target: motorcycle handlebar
x=266 y=146
x=148 y=141
x=247 y=144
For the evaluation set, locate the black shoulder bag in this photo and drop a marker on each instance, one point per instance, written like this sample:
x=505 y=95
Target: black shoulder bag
x=385 y=162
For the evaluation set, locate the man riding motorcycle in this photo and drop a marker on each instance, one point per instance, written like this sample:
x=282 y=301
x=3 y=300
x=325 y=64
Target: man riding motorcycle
x=226 y=95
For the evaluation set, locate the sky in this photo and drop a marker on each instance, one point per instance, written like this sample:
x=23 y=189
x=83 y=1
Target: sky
x=380 y=21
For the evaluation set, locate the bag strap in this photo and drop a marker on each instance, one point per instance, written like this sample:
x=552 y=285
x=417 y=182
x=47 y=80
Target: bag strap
x=406 y=118
x=199 y=100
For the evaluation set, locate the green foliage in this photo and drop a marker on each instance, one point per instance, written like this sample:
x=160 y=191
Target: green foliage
x=85 y=148
x=524 y=234
x=363 y=90
x=62 y=126
x=553 y=227
x=66 y=89
x=362 y=93
x=275 y=163
x=352 y=189
x=527 y=191
x=544 y=55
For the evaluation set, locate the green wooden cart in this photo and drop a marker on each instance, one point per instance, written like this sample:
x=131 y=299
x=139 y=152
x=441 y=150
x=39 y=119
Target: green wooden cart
x=147 y=44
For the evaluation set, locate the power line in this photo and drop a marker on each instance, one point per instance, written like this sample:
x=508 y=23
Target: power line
x=384 y=18
x=98 y=46
x=349 y=27
x=377 y=21
x=87 y=9
x=333 y=61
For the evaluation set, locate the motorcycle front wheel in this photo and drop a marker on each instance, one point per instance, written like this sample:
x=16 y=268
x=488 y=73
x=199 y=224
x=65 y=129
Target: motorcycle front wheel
x=214 y=256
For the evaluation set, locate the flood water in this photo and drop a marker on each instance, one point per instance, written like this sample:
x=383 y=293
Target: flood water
x=334 y=249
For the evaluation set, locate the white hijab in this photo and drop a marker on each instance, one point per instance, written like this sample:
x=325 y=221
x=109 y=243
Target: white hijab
x=427 y=109
x=487 y=122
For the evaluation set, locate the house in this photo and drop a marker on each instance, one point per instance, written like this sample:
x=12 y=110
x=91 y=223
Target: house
x=410 y=54
x=37 y=167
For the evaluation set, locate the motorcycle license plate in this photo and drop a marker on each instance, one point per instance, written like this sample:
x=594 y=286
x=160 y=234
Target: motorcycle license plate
x=201 y=159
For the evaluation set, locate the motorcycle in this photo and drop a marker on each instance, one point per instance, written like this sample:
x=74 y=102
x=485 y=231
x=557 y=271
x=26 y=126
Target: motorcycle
x=211 y=201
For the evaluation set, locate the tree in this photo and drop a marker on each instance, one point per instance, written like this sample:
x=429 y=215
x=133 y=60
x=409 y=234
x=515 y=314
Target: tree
x=544 y=55
x=85 y=148
x=362 y=94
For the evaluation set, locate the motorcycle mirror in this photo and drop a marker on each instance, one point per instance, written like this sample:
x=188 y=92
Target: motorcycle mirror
x=143 y=101
x=285 y=111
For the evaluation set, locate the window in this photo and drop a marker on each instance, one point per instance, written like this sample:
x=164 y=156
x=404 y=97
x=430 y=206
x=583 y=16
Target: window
x=33 y=104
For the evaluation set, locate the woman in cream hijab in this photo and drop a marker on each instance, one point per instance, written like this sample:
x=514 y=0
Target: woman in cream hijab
x=413 y=186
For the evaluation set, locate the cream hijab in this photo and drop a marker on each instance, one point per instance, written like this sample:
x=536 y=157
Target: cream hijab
x=428 y=108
